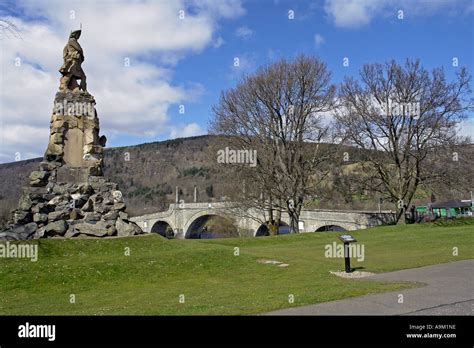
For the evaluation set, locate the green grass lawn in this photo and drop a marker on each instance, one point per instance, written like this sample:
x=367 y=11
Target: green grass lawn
x=106 y=282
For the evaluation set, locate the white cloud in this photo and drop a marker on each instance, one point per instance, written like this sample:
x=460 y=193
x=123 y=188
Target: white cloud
x=131 y=100
x=357 y=13
x=218 y=42
x=319 y=40
x=221 y=8
x=351 y=13
x=466 y=128
x=20 y=142
x=244 y=33
x=243 y=63
x=188 y=130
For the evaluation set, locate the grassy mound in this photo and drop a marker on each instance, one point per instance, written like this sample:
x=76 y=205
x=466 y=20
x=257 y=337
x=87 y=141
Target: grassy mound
x=147 y=274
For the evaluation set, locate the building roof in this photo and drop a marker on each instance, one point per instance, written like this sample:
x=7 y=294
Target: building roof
x=453 y=203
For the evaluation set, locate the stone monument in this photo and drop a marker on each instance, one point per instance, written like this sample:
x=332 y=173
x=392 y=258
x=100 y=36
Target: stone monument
x=68 y=195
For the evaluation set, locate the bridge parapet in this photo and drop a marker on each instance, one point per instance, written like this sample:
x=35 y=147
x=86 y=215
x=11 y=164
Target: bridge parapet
x=180 y=217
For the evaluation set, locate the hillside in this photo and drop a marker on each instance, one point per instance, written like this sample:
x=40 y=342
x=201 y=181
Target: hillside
x=147 y=175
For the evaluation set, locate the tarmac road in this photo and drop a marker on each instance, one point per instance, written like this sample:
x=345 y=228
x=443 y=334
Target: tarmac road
x=449 y=290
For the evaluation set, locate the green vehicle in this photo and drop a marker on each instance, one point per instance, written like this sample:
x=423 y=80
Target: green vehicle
x=451 y=208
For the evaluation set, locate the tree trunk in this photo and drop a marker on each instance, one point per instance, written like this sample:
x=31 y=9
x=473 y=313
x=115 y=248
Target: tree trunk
x=294 y=213
x=277 y=221
x=293 y=223
x=400 y=216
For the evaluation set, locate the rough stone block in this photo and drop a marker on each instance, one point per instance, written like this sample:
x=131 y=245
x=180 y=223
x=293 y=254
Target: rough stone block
x=38 y=217
x=127 y=228
x=21 y=217
x=57 y=124
x=39 y=178
x=56 y=228
x=49 y=166
x=40 y=208
x=98 y=229
x=25 y=203
x=111 y=215
x=120 y=206
x=91 y=216
x=72 y=175
x=58 y=215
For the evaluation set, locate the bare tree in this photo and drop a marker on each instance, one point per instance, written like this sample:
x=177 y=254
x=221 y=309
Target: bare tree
x=278 y=112
x=253 y=200
x=8 y=27
x=401 y=115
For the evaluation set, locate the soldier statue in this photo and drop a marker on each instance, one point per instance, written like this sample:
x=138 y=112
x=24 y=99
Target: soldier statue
x=71 y=69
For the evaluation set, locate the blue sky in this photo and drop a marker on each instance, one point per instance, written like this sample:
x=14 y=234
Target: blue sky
x=435 y=40
x=189 y=64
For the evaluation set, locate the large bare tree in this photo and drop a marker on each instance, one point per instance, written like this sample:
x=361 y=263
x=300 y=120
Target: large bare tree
x=278 y=112
x=401 y=115
x=8 y=27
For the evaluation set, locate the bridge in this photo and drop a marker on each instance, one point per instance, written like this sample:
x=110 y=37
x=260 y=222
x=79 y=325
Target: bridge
x=186 y=220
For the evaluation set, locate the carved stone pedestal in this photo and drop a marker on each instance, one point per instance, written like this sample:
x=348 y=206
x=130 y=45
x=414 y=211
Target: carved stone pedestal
x=74 y=132
x=68 y=196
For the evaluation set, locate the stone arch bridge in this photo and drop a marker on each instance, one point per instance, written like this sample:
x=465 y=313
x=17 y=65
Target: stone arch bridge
x=185 y=220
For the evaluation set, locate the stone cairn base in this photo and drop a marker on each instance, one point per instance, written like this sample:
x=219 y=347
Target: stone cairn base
x=94 y=208
x=68 y=196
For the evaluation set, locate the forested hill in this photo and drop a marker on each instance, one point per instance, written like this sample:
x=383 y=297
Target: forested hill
x=147 y=174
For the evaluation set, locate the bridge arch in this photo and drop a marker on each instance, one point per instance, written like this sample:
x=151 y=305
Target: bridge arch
x=262 y=230
x=330 y=228
x=163 y=228
x=196 y=227
x=334 y=226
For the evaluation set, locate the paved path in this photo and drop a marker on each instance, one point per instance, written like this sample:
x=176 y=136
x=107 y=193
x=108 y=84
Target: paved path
x=449 y=290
